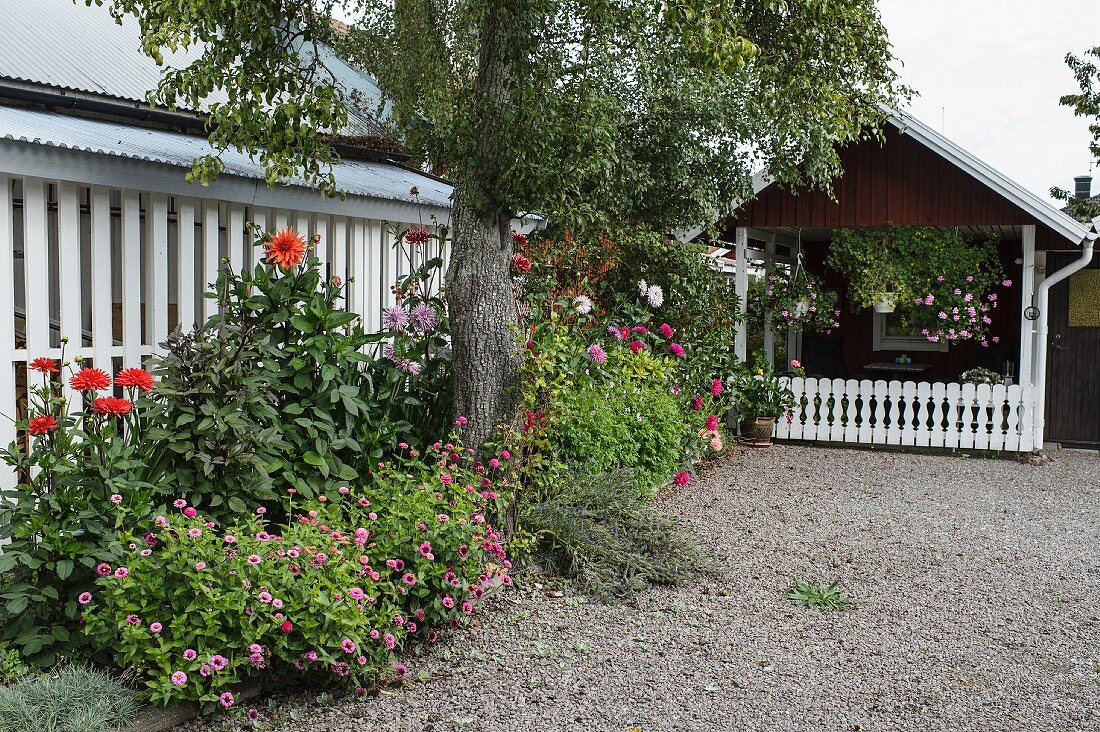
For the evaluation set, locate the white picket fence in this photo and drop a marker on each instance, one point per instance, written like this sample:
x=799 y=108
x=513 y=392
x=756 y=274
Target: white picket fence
x=115 y=270
x=916 y=414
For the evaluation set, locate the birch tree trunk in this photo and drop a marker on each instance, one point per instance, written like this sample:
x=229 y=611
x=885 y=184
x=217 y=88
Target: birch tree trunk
x=480 y=298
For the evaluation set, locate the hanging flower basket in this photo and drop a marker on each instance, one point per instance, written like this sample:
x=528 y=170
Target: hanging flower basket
x=796 y=299
x=886 y=304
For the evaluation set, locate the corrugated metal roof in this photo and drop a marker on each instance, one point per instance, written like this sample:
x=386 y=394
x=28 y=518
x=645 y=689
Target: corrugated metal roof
x=67 y=45
x=356 y=177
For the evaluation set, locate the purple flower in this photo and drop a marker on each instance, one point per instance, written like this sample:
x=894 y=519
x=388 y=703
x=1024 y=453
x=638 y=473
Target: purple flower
x=597 y=354
x=395 y=318
x=424 y=317
x=409 y=367
x=348 y=645
x=179 y=678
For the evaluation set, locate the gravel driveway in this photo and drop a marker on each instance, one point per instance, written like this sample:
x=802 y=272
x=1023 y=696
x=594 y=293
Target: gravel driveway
x=979 y=590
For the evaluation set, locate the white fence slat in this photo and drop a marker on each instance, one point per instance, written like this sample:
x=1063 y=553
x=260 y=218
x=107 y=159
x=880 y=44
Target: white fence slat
x=320 y=228
x=967 y=395
x=837 y=411
x=185 y=270
x=7 y=324
x=103 y=307
x=923 y=415
x=211 y=252
x=893 y=397
x=937 y=432
x=36 y=264
x=906 y=414
x=339 y=266
x=69 y=286
x=851 y=426
x=813 y=406
x=234 y=232
x=68 y=249
x=997 y=427
x=1027 y=412
x=131 y=278
x=156 y=287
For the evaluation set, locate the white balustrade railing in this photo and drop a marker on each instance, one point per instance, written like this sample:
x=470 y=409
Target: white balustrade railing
x=916 y=414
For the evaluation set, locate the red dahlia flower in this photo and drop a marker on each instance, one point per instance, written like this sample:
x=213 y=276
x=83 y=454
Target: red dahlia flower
x=43 y=365
x=286 y=249
x=90 y=380
x=521 y=263
x=417 y=235
x=112 y=406
x=140 y=378
x=682 y=478
x=41 y=424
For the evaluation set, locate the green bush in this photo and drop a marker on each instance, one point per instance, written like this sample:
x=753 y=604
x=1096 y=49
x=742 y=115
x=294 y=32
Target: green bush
x=355 y=575
x=12 y=667
x=601 y=532
x=71 y=700
x=603 y=426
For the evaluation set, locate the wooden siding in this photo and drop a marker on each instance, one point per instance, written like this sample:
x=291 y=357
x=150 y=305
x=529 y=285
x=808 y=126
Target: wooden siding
x=898 y=181
x=1073 y=380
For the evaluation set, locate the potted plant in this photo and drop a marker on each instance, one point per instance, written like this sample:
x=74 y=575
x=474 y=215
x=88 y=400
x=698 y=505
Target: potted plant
x=799 y=301
x=759 y=398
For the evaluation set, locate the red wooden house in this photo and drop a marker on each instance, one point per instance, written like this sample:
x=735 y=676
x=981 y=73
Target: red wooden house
x=856 y=392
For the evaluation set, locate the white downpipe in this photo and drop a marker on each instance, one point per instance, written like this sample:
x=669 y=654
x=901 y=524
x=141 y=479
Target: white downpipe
x=1040 y=374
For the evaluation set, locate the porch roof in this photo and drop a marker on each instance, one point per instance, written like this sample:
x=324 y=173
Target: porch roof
x=918 y=177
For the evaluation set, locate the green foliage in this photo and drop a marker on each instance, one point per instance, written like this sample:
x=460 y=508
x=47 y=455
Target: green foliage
x=12 y=666
x=72 y=699
x=1084 y=104
x=59 y=520
x=334 y=593
x=942 y=283
x=818 y=595
x=599 y=530
x=536 y=88
x=758 y=392
x=602 y=427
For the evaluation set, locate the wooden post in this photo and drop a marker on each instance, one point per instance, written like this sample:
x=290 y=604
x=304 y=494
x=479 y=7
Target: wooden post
x=794 y=335
x=741 y=287
x=1027 y=290
x=769 y=331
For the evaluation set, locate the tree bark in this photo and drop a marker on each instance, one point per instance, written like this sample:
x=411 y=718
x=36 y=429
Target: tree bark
x=480 y=297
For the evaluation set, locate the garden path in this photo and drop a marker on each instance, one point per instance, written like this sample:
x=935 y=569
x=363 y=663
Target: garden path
x=979 y=609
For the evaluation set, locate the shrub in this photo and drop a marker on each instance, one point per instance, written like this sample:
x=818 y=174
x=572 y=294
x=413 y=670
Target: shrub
x=353 y=577
x=12 y=667
x=56 y=520
x=604 y=426
x=610 y=540
x=73 y=699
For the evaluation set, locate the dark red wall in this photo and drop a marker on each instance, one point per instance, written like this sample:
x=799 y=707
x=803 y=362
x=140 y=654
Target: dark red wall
x=898 y=181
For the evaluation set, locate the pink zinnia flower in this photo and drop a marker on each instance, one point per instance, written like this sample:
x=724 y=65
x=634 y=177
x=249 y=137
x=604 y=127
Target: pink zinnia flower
x=200 y=566
x=84 y=598
x=103 y=569
x=389 y=640
x=716 y=387
x=190 y=654
x=682 y=478
x=677 y=350
x=190 y=512
x=712 y=423
x=253 y=559
x=116 y=498
x=133 y=619
x=179 y=678
x=597 y=354
x=226 y=700
x=425 y=549
x=348 y=645
x=409 y=579
x=122 y=572
x=155 y=627
x=636 y=346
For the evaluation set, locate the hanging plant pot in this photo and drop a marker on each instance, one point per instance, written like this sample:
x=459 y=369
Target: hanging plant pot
x=886 y=303
x=802 y=307
x=757 y=431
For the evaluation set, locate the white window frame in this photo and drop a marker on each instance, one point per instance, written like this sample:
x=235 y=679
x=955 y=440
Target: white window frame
x=883 y=342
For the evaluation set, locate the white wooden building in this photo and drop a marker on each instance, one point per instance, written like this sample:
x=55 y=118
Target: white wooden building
x=103 y=242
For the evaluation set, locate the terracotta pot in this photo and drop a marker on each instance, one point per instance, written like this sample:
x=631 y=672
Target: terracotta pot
x=757 y=432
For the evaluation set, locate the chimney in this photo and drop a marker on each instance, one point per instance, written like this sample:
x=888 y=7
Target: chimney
x=1082 y=185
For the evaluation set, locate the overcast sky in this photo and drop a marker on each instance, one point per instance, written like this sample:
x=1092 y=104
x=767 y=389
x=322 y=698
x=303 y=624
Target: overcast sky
x=992 y=71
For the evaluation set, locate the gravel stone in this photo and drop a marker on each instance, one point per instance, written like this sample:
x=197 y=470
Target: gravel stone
x=978 y=584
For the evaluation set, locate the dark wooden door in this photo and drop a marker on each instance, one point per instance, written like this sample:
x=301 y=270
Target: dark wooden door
x=1073 y=367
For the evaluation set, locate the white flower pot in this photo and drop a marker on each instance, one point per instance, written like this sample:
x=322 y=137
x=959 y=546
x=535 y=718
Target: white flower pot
x=802 y=307
x=885 y=304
